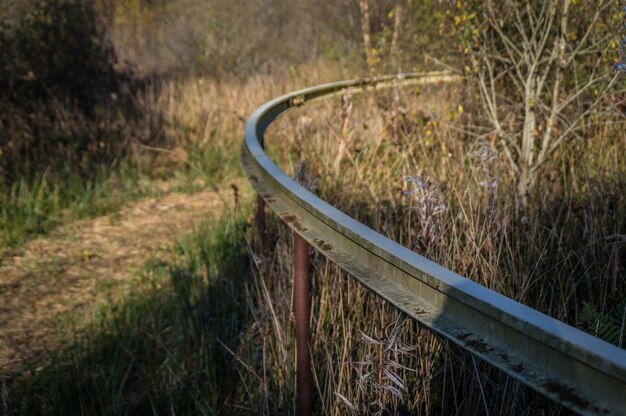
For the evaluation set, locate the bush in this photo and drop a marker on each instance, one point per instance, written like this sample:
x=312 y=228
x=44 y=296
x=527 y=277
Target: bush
x=544 y=73
x=60 y=92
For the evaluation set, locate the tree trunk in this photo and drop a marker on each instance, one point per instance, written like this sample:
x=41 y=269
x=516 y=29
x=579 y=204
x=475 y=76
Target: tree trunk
x=367 y=36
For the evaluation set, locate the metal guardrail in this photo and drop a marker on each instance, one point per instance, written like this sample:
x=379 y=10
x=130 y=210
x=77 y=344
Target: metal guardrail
x=579 y=371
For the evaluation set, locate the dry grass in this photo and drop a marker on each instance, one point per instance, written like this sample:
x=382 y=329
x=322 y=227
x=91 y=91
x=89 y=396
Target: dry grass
x=202 y=119
x=412 y=171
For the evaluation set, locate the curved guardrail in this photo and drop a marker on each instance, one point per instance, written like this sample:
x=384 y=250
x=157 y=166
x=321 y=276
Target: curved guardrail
x=563 y=363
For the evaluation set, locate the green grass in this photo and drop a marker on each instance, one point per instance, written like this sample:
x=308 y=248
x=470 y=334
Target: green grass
x=166 y=348
x=33 y=206
x=207 y=165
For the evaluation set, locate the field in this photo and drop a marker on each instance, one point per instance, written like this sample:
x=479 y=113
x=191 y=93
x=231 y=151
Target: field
x=132 y=278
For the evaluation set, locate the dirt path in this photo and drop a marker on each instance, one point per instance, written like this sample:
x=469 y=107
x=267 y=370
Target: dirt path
x=80 y=265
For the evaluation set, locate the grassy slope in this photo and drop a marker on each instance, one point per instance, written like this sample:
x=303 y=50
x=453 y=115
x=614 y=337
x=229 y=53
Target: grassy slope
x=165 y=348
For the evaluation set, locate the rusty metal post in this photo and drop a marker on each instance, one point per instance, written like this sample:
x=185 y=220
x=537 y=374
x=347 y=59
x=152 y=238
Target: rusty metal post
x=302 y=307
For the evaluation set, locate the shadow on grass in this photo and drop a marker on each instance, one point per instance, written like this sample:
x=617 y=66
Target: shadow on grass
x=166 y=349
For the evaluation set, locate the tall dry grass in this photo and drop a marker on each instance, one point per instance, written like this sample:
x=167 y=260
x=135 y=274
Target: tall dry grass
x=201 y=119
x=406 y=164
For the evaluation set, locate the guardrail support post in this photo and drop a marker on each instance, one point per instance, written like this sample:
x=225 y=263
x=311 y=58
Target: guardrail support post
x=302 y=307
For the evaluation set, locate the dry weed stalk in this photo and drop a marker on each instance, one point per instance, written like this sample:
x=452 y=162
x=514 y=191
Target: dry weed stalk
x=377 y=373
x=486 y=158
x=347 y=131
x=430 y=206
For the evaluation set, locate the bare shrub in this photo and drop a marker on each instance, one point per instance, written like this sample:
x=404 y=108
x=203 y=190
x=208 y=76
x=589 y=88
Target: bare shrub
x=543 y=72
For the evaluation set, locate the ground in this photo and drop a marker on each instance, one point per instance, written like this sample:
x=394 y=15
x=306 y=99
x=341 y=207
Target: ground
x=54 y=284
